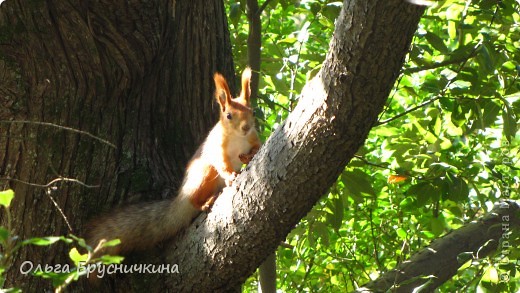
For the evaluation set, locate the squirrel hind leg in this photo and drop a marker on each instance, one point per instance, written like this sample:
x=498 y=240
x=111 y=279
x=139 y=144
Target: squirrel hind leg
x=206 y=207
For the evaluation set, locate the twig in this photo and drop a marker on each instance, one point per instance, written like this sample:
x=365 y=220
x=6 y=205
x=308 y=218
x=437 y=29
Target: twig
x=408 y=111
x=374 y=241
x=307 y=272
x=262 y=8
x=62 y=128
x=439 y=64
x=286 y=245
x=372 y=164
x=51 y=182
x=441 y=94
x=48 y=192
x=50 y=188
x=463 y=61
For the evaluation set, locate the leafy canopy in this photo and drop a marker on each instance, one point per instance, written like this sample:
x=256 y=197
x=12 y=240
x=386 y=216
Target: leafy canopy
x=446 y=147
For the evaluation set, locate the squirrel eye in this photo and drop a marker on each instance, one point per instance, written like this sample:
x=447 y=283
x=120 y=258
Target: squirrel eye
x=228 y=116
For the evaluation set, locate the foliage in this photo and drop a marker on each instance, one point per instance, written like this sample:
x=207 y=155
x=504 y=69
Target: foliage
x=61 y=276
x=445 y=150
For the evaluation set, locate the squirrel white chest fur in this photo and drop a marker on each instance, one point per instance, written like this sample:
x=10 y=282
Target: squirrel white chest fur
x=235 y=144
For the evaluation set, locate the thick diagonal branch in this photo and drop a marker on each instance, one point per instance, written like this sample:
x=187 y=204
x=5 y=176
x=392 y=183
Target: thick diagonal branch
x=438 y=262
x=305 y=155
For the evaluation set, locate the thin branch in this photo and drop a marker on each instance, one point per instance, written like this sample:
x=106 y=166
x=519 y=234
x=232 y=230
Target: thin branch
x=48 y=192
x=307 y=272
x=62 y=128
x=440 y=95
x=50 y=188
x=463 y=61
x=254 y=45
x=262 y=8
x=286 y=245
x=408 y=111
x=374 y=241
x=372 y=164
x=51 y=182
x=440 y=64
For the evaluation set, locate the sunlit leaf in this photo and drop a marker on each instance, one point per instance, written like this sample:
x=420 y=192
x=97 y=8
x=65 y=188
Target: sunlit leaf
x=76 y=257
x=401 y=233
x=5 y=197
x=43 y=241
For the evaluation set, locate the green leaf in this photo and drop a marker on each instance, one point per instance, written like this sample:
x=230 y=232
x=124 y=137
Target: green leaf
x=336 y=217
x=5 y=197
x=319 y=231
x=111 y=243
x=407 y=203
x=288 y=40
x=491 y=275
x=452 y=30
x=437 y=170
x=81 y=242
x=458 y=190
x=77 y=257
x=460 y=86
x=331 y=10
x=4 y=234
x=428 y=136
x=485 y=59
x=234 y=13
x=315 y=8
x=386 y=131
x=424 y=192
x=490 y=111
x=401 y=233
x=43 y=241
x=510 y=65
x=358 y=183
x=437 y=225
x=436 y=42
x=458 y=117
x=510 y=126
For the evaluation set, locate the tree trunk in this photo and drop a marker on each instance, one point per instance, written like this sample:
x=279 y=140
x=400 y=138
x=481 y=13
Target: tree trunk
x=434 y=265
x=136 y=74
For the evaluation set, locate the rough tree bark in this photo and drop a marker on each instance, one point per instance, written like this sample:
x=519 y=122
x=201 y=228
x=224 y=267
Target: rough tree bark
x=137 y=74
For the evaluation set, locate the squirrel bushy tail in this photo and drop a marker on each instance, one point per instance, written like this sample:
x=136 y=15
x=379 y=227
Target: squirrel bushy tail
x=141 y=226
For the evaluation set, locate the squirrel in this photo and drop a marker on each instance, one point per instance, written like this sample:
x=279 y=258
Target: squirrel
x=233 y=141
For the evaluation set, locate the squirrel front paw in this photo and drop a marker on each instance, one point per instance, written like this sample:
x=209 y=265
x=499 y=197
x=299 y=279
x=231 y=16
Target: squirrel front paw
x=246 y=158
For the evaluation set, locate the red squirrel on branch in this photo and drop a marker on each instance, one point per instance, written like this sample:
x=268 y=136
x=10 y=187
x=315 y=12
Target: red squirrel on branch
x=233 y=141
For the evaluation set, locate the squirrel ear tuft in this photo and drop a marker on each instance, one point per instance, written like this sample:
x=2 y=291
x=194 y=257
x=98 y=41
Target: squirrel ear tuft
x=222 y=93
x=245 y=94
